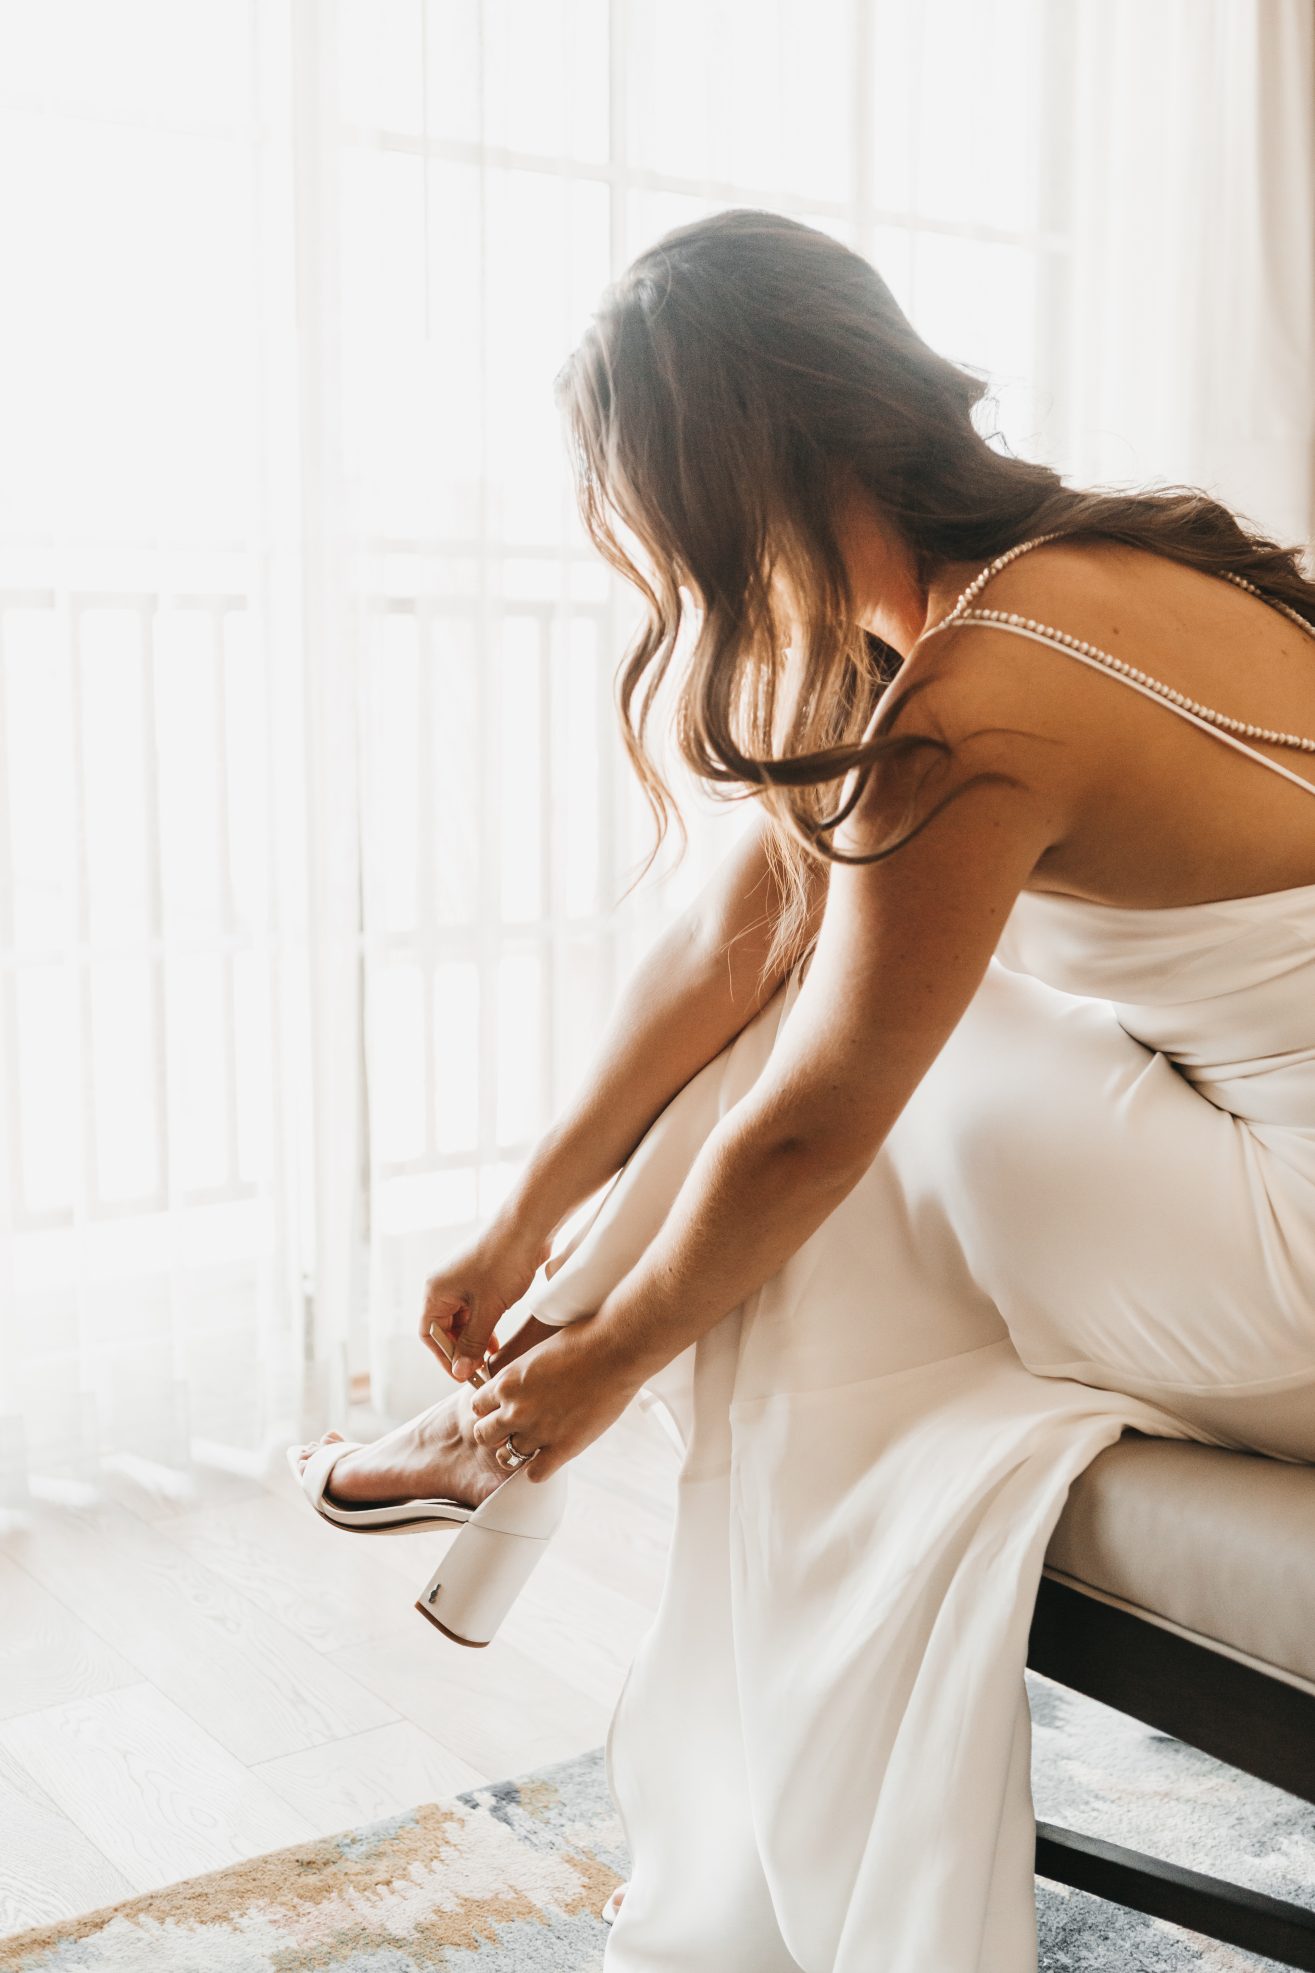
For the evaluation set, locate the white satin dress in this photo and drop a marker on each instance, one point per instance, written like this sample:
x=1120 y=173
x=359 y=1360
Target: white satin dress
x=1097 y=1211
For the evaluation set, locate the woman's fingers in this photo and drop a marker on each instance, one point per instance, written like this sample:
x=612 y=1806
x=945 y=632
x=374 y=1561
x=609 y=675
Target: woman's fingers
x=453 y=1334
x=494 y=1415
x=455 y=1331
x=440 y=1318
x=488 y=1396
x=547 y=1463
x=441 y=1346
x=500 y=1413
x=497 y=1411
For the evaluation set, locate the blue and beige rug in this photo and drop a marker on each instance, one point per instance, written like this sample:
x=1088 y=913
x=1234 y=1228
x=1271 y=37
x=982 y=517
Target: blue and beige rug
x=511 y=1878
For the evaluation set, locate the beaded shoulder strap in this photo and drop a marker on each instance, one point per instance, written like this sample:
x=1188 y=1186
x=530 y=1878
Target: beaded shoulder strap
x=1093 y=654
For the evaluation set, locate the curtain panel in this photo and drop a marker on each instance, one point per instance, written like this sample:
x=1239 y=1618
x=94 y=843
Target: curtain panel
x=315 y=824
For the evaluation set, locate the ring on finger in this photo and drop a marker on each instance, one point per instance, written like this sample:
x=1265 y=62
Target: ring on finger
x=509 y=1454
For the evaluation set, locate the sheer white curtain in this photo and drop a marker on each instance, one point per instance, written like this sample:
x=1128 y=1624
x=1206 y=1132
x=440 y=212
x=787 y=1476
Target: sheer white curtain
x=314 y=820
x=154 y=1220
x=1190 y=346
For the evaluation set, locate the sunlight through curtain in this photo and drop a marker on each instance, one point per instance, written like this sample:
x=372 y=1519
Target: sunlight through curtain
x=314 y=819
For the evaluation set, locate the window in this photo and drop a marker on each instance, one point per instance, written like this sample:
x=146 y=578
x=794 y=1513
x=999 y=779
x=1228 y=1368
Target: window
x=316 y=816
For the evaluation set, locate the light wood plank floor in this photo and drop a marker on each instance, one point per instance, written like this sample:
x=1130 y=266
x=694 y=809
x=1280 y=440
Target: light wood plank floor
x=187 y=1681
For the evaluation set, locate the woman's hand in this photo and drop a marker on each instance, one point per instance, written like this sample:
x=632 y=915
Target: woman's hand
x=562 y=1394
x=465 y=1298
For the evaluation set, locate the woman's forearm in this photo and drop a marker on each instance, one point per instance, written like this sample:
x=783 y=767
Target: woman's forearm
x=748 y=1202
x=752 y=1196
x=694 y=990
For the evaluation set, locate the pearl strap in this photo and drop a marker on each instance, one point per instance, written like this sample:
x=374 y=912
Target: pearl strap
x=960 y=614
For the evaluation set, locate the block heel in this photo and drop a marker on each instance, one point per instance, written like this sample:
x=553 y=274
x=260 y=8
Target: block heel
x=493 y=1557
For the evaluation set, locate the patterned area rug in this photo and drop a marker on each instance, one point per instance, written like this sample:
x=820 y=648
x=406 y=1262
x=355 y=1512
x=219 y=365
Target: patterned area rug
x=511 y=1878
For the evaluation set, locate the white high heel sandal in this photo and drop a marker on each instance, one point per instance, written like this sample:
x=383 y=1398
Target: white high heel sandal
x=491 y=1560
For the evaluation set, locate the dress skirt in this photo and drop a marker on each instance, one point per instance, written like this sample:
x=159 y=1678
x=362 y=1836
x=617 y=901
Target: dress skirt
x=820 y=1755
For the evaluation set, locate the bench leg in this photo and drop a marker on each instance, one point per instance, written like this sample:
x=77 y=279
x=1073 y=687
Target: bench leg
x=1227 y=1912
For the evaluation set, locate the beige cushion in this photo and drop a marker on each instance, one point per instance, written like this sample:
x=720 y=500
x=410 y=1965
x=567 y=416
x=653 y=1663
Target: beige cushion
x=1220 y=1545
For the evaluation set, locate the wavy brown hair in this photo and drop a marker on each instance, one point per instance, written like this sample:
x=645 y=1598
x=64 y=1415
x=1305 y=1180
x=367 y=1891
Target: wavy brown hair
x=739 y=372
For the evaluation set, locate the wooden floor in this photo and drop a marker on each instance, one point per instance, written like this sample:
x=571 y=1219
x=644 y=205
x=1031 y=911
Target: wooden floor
x=185 y=1682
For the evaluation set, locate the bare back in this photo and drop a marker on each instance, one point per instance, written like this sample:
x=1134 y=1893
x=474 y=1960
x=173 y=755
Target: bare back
x=1171 y=816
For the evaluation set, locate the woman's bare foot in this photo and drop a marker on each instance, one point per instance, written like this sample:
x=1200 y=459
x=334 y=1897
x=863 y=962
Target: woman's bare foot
x=434 y=1456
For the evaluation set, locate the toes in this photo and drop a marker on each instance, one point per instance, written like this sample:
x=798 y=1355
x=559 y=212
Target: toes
x=304 y=1452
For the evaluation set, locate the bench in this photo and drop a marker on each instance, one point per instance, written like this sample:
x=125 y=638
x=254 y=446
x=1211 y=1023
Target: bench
x=1179 y=1588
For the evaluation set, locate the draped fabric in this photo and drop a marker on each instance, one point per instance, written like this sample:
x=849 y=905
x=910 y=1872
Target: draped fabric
x=1192 y=208
x=821 y=1753
x=315 y=824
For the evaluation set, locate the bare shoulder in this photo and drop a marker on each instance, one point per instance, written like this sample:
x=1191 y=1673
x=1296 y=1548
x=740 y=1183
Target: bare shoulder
x=1063 y=583
x=1089 y=589
x=1008 y=701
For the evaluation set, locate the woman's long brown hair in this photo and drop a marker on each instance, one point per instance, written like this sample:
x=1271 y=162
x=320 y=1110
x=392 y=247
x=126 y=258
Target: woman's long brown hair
x=731 y=377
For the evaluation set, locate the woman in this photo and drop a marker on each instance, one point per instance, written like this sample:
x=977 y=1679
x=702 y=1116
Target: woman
x=967 y=1119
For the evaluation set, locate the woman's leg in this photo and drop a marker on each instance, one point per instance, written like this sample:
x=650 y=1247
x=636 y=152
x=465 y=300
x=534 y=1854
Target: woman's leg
x=1059 y=1239
x=1132 y=1234
x=822 y=1726
x=826 y=1724
x=631 y=1211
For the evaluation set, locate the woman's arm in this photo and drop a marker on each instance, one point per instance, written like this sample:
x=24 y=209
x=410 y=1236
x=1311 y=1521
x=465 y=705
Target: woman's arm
x=903 y=946
x=693 y=991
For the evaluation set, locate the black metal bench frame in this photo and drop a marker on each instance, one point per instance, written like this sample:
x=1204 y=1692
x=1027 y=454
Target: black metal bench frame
x=1233 y=1711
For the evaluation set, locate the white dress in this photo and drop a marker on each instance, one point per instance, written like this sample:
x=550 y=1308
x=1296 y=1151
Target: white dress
x=1097 y=1211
